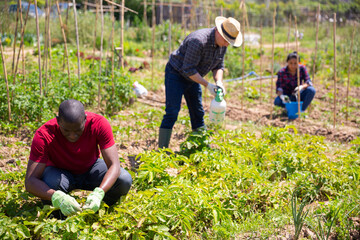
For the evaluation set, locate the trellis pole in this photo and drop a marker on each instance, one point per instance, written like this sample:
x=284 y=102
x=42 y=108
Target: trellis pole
x=21 y=43
x=15 y=38
x=145 y=15
x=38 y=44
x=49 y=39
x=334 y=70
x=153 y=42
x=22 y=39
x=348 y=73
x=161 y=9
x=65 y=44
x=288 y=38
x=122 y=32
x=6 y=81
x=77 y=39
x=243 y=54
x=101 y=49
x=46 y=45
x=261 y=73
x=112 y=50
x=316 y=43
x=272 y=63
x=170 y=21
x=96 y=19
x=298 y=67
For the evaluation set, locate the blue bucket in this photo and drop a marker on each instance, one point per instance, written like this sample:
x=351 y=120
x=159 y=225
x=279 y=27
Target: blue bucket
x=292 y=109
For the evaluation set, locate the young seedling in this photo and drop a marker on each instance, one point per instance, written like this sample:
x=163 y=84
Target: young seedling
x=298 y=214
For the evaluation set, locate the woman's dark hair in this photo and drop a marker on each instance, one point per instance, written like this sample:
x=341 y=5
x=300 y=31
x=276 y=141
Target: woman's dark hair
x=292 y=55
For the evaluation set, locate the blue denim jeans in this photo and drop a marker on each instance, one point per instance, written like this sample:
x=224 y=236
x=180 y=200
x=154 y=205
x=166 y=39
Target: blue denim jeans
x=60 y=179
x=306 y=96
x=175 y=87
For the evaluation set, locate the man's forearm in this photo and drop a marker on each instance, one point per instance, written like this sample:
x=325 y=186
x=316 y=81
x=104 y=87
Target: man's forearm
x=218 y=75
x=110 y=178
x=199 y=79
x=39 y=188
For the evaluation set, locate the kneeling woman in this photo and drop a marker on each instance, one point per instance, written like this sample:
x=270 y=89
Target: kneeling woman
x=286 y=84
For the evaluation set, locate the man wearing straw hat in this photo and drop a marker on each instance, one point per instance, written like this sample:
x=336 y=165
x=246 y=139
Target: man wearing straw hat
x=201 y=51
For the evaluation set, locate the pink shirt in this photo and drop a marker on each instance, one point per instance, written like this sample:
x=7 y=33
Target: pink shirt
x=51 y=147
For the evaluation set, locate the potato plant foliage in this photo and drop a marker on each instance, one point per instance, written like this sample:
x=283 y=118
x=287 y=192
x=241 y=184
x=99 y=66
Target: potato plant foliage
x=243 y=182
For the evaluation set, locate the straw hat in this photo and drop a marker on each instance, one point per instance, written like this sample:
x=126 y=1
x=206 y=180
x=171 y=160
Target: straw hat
x=229 y=29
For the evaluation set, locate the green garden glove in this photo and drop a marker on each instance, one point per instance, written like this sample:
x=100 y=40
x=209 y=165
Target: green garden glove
x=94 y=199
x=67 y=204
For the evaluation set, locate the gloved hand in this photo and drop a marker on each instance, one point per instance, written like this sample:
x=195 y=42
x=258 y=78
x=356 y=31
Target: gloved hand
x=298 y=88
x=220 y=85
x=67 y=204
x=285 y=98
x=94 y=199
x=212 y=89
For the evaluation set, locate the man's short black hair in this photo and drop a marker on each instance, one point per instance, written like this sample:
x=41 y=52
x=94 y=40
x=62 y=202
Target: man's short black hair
x=293 y=55
x=71 y=111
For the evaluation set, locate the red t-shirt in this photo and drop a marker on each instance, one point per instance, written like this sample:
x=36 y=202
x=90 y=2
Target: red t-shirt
x=51 y=147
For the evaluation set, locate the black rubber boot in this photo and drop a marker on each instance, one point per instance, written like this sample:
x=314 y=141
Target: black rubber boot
x=164 y=137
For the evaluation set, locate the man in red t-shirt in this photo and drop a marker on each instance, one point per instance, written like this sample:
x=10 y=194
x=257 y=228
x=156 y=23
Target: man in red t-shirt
x=65 y=156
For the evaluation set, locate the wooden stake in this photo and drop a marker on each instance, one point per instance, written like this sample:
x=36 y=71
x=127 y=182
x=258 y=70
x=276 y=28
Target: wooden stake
x=112 y=50
x=49 y=39
x=22 y=40
x=334 y=70
x=96 y=19
x=272 y=64
x=153 y=42
x=145 y=14
x=316 y=43
x=288 y=38
x=261 y=73
x=183 y=22
x=101 y=49
x=243 y=56
x=15 y=38
x=161 y=9
x=348 y=73
x=21 y=43
x=65 y=44
x=77 y=38
x=298 y=67
x=38 y=44
x=6 y=81
x=122 y=32
x=46 y=45
x=170 y=20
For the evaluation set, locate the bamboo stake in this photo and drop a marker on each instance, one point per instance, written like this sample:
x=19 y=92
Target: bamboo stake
x=334 y=70
x=49 y=39
x=67 y=13
x=161 y=9
x=348 y=73
x=96 y=19
x=288 y=38
x=183 y=23
x=101 y=49
x=316 y=43
x=170 y=20
x=38 y=43
x=22 y=42
x=112 y=50
x=272 y=63
x=243 y=55
x=46 y=45
x=261 y=73
x=77 y=38
x=145 y=15
x=15 y=38
x=6 y=81
x=122 y=32
x=22 y=39
x=153 y=42
x=298 y=67
x=65 y=44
